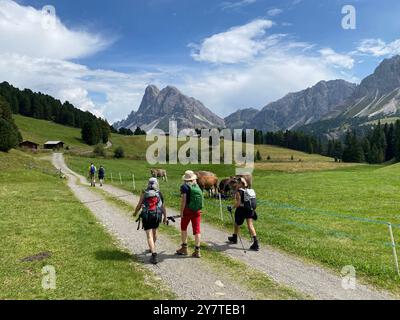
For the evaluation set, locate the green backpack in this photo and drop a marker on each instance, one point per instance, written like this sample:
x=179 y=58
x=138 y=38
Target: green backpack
x=196 y=198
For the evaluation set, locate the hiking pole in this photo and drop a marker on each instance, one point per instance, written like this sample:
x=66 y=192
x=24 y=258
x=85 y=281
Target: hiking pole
x=230 y=209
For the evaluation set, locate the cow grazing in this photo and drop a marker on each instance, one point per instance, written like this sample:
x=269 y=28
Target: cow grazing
x=207 y=181
x=159 y=173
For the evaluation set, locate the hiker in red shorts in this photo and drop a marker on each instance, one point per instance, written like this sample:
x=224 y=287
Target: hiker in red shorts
x=191 y=206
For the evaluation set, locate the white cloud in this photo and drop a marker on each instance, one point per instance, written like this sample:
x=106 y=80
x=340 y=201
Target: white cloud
x=274 y=12
x=379 y=48
x=229 y=87
x=238 y=44
x=74 y=82
x=275 y=64
x=23 y=30
x=236 y=4
x=336 y=59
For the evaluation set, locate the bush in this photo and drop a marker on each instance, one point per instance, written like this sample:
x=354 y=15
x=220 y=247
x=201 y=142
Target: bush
x=258 y=156
x=119 y=153
x=269 y=158
x=99 y=151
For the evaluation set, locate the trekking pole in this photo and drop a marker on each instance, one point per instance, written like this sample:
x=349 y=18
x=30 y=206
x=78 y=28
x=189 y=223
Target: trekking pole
x=220 y=208
x=233 y=221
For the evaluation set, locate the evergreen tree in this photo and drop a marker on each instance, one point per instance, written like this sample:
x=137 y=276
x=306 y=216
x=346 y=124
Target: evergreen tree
x=9 y=134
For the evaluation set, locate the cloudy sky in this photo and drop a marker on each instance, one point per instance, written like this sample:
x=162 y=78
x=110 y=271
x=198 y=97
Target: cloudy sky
x=100 y=55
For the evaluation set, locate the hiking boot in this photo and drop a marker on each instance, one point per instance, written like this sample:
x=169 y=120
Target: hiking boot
x=182 y=251
x=154 y=259
x=233 y=239
x=255 y=247
x=196 y=254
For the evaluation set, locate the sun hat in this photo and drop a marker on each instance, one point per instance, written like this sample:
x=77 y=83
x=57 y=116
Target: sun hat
x=189 y=176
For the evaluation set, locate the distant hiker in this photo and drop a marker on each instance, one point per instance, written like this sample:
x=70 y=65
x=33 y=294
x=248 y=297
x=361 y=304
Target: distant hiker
x=246 y=205
x=92 y=175
x=191 y=206
x=102 y=174
x=153 y=213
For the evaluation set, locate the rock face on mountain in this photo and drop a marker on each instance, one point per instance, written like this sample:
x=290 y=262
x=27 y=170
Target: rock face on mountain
x=159 y=107
x=377 y=97
x=304 y=107
x=241 y=118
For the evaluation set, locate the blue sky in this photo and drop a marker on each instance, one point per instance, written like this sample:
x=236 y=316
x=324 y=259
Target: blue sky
x=100 y=55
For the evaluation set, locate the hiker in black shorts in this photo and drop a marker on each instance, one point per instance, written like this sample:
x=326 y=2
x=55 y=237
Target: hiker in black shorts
x=153 y=213
x=245 y=204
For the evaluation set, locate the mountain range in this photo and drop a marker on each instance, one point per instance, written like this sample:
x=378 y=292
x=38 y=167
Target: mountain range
x=329 y=107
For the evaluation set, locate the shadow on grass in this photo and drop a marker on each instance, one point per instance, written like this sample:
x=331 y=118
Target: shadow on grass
x=113 y=255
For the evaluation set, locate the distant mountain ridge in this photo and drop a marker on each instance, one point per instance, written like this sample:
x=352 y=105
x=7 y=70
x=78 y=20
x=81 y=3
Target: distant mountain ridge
x=327 y=107
x=159 y=107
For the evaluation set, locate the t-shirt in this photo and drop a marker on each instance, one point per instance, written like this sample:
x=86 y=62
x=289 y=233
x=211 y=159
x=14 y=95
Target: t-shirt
x=185 y=189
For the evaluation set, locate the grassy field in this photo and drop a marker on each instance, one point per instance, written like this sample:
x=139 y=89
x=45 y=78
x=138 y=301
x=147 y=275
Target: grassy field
x=39 y=214
x=332 y=217
x=40 y=131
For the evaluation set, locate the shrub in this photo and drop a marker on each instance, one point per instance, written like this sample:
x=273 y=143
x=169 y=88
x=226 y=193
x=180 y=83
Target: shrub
x=119 y=153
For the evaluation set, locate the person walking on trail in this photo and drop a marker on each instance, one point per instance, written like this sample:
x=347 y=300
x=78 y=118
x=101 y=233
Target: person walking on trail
x=191 y=206
x=153 y=213
x=245 y=205
x=92 y=175
x=102 y=174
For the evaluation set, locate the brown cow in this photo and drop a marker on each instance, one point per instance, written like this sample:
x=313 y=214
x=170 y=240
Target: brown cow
x=207 y=181
x=159 y=173
x=225 y=187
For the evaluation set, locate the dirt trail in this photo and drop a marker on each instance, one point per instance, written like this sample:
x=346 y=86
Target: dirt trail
x=188 y=278
x=315 y=281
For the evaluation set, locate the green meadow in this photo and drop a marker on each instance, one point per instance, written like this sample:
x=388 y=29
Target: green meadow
x=39 y=215
x=333 y=217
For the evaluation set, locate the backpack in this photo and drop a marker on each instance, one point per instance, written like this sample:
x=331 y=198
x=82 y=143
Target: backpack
x=101 y=172
x=92 y=169
x=196 y=198
x=249 y=199
x=152 y=210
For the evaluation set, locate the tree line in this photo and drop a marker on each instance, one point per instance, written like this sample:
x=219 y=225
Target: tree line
x=10 y=136
x=375 y=145
x=42 y=106
x=294 y=140
x=380 y=144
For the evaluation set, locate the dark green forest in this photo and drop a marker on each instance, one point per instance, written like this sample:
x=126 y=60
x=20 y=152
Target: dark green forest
x=42 y=106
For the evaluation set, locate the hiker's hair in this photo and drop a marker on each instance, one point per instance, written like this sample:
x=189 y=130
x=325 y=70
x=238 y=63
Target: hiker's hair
x=243 y=182
x=153 y=185
x=191 y=183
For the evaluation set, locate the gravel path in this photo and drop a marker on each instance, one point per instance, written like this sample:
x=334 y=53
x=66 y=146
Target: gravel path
x=315 y=281
x=188 y=278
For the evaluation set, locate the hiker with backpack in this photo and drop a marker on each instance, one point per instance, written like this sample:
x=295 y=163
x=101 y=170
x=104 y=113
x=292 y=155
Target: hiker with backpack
x=153 y=213
x=245 y=205
x=92 y=175
x=102 y=174
x=191 y=206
